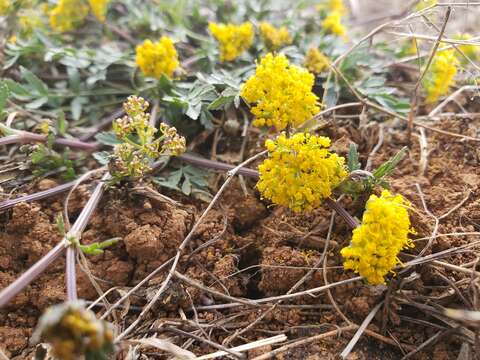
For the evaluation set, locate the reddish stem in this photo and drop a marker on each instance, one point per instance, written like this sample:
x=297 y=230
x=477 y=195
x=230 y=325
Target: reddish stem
x=39 y=267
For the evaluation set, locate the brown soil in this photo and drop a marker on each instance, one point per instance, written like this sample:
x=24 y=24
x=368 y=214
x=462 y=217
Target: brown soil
x=245 y=249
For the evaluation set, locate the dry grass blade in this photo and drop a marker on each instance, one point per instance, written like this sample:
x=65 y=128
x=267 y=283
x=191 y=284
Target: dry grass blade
x=273 y=353
x=245 y=347
x=167 y=346
x=466 y=316
x=348 y=349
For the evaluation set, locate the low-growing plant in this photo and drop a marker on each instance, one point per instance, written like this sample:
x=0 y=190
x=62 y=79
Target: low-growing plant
x=211 y=71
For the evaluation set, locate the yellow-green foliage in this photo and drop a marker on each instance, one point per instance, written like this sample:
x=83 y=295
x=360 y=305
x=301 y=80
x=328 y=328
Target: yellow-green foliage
x=282 y=93
x=373 y=251
x=274 y=38
x=233 y=39
x=300 y=171
x=440 y=75
x=315 y=61
x=157 y=59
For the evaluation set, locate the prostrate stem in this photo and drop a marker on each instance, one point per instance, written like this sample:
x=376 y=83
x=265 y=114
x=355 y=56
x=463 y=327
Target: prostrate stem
x=75 y=232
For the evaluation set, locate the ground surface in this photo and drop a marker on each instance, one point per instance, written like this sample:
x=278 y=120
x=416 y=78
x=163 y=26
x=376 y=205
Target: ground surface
x=246 y=248
x=255 y=252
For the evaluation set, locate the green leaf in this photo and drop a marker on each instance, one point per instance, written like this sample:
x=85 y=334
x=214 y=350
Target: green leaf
x=62 y=124
x=97 y=248
x=219 y=102
x=17 y=90
x=193 y=110
x=102 y=157
x=34 y=81
x=60 y=224
x=76 y=107
x=389 y=166
x=35 y=104
x=107 y=138
x=352 y=158
x=187 y=187
x=4 y=93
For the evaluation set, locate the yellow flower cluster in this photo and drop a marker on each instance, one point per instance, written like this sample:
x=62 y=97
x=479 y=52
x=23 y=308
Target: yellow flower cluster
x=29 y=20
x=73 y=332
x=233 y=39
x=315 y=61
x=139 y=147
x=157 y=59
x=333 y=24
x=300 y=171
x=282 y=93
x=67 y=15
x=99 y=8
x=274 y=38
x=333 y=5
x=373 y=251
x=440 y=75
x=5 y=7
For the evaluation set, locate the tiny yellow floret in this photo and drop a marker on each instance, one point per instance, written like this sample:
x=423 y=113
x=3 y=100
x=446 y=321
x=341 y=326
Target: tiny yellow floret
x=99 y=8
x=274 y=38
x=333 y=24
x=282 y=93
x=315 y=61
x=157 y=59
x=68 y=15
x=440 y=75
x=373 y=250
x=233 y=39
x=300 y=171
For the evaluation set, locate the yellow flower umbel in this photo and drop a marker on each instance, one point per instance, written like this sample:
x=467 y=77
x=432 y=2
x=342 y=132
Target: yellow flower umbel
x=99 y=8
x=282 y=93
x=141 y=142
x=333 y=24
x=74 y=332
x=29 y=20
x=274 y=38
x=333 y=5
x=233 y=39
x=373 y=250
x=68 y=15
x=5 y=7
x=440 y=75
x=157 y=59
x=315 y=61
x=300 y=171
